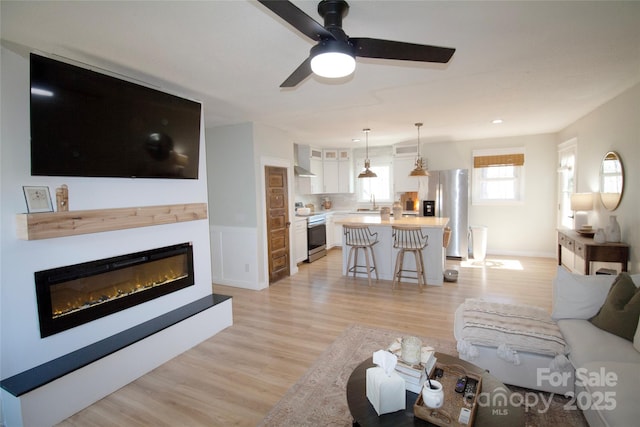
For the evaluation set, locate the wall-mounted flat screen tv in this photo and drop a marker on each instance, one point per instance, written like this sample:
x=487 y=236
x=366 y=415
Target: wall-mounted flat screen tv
x=89 y=124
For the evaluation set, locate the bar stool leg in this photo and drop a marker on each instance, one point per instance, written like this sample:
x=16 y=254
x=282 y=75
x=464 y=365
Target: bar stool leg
x=398 y=269
x=355 y=261
x=373 y=258
x=395 y=272
x=419 y=270
x=424 y=270
x=366 y=255
x=404 y=253
x=349 y=261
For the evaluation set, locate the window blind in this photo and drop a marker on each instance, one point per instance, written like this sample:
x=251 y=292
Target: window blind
x=516 y=159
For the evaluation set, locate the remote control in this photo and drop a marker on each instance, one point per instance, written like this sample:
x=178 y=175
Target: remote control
x=471 y=387
x=460 y=384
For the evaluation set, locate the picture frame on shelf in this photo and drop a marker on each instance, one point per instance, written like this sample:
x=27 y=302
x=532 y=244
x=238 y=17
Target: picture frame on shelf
x=38 y=199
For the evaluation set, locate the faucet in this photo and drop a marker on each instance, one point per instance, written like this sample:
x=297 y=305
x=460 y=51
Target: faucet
x=373 y=200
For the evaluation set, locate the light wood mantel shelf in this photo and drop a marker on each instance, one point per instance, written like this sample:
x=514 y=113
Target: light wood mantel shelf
x=49 y=225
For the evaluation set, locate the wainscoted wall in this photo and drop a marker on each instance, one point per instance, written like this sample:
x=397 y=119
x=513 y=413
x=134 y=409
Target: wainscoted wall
x=236 y=160
x=234 y=257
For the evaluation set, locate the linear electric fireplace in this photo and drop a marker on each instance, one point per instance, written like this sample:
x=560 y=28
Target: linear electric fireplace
x=73 y=295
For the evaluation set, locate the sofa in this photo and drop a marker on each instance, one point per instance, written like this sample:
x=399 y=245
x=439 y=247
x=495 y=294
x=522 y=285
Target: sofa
x=598 y=318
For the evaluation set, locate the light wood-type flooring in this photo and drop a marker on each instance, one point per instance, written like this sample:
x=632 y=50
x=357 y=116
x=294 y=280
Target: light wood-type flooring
x=235 y=377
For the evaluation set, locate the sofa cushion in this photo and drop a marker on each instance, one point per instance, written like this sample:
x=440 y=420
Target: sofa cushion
x=620 y=312
x=581 y=337
x=607 y=392
x=576 y=296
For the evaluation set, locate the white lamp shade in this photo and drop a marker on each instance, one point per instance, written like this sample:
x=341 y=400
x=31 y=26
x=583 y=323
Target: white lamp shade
x=333 y=64
x=582 y=201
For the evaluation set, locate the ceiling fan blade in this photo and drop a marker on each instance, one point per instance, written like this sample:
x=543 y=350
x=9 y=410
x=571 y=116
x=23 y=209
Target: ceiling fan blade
x=302 y=72
x=296 y=17
x=386 y=49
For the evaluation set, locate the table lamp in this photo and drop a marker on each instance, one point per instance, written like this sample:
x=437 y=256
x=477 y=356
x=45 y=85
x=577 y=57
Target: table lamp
x=581 y=203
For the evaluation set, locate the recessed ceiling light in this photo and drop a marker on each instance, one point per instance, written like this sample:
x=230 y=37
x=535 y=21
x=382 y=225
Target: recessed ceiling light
x=496 y=121
x=356 y=140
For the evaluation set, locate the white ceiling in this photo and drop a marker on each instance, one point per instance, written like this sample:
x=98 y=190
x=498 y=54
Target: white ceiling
x=539 y=66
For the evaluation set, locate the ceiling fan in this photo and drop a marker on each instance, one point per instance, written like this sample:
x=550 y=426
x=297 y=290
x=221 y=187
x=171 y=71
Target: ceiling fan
x=334 y=55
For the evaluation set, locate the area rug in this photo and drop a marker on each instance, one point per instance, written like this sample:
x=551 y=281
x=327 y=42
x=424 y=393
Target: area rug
x=319 y=397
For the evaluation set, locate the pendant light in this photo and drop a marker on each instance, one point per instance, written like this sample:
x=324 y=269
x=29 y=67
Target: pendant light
x=419 y=169
x=367 y=173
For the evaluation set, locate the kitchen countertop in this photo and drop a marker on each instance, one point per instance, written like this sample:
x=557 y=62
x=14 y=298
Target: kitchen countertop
x=361 y=212
x=419 y=221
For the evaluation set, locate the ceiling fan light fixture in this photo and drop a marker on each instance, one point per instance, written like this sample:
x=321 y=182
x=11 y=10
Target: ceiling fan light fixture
x=332 y=59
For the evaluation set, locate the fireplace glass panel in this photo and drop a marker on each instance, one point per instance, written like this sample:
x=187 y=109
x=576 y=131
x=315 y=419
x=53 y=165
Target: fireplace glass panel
x=82 y=294
x=73 y=295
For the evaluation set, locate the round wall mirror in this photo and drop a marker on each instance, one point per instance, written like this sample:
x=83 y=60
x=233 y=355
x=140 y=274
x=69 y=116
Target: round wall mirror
x=611 y=180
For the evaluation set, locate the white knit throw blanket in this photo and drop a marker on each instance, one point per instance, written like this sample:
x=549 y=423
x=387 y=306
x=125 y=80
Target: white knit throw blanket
x=510 y=328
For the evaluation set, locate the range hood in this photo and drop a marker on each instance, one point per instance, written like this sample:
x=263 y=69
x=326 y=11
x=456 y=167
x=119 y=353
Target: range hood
x=302 y=172
x=299 y=170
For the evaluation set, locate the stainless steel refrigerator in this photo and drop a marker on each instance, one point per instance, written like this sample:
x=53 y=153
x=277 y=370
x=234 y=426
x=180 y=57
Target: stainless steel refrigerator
x=448 y=196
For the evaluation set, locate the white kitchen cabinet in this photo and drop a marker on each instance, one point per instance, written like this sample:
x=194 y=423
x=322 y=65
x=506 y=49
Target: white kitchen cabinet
x=334 y=231
x=338 y=171
x=345 y=171
x=337 y=231
x=402 y=182
x=331 y=176
x=330 y=154
x=300 y=239
x=315 y=164
x=329 y=226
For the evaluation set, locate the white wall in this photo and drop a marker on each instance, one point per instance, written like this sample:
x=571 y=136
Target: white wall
x=527 y=229
x=615 y=126
x=232 y=176
x=21 y=345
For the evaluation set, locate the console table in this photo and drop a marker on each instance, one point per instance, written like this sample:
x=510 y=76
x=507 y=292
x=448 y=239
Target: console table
x=587 y=249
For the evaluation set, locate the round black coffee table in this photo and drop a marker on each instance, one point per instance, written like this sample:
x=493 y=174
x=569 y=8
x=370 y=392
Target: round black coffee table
x=365 y=415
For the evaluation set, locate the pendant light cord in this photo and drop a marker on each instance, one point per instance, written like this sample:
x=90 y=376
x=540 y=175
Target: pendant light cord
x=418 y=126
x=366 y=134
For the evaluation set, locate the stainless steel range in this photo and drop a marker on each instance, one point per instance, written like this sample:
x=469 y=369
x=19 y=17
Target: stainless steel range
x=316 y=237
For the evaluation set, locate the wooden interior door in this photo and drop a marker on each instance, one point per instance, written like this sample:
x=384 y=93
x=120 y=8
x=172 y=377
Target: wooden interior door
x=277 y=222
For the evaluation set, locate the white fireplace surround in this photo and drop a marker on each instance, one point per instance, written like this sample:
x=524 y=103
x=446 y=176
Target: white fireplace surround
x=21 y=346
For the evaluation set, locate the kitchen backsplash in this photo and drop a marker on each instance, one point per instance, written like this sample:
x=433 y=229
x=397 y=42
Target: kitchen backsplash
x=338 y=201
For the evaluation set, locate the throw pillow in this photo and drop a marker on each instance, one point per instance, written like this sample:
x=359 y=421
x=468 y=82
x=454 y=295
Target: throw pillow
x=576 y=296
x=621 y=310
x=636 y=337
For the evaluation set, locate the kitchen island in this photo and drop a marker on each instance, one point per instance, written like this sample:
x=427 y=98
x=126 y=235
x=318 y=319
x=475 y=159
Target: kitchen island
x=385 y=254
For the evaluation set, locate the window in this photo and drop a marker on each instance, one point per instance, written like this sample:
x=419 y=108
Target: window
x=498 y=176
x=379 y=187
